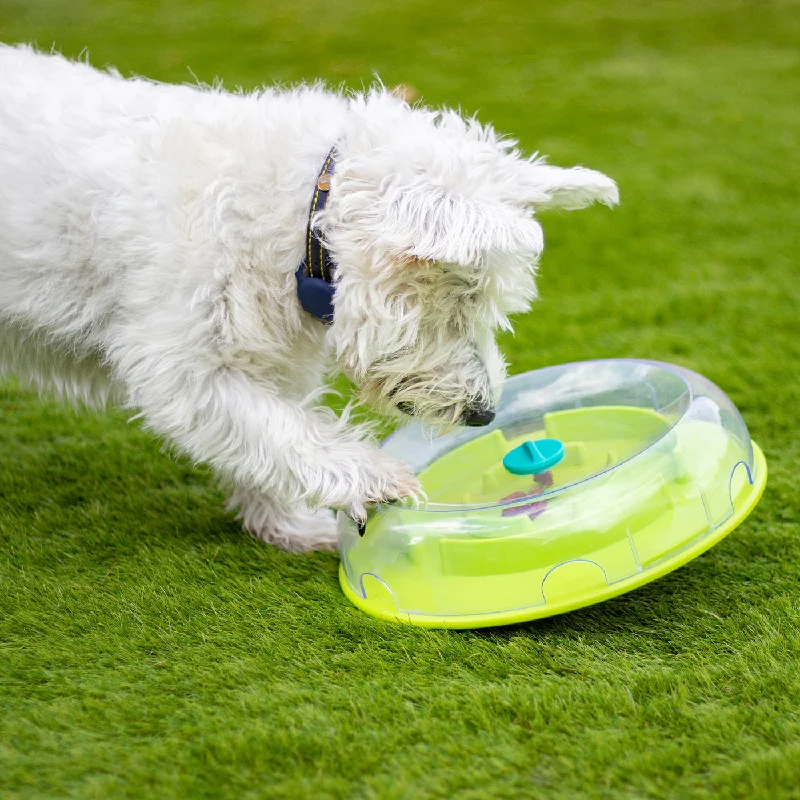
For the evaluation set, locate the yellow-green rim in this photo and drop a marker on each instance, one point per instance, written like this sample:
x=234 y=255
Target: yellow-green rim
x=605 y=593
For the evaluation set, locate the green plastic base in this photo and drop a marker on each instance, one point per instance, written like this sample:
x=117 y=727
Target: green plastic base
x=380 y=602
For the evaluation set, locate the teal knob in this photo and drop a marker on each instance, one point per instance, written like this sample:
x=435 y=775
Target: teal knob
x=530 y=458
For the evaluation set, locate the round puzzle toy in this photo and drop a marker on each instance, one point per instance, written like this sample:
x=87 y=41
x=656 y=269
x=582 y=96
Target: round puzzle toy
x=593 y=479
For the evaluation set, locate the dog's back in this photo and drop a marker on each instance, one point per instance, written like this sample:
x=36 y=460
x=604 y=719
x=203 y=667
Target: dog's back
x=117 y=193
x=66 y=150
x=73 y=142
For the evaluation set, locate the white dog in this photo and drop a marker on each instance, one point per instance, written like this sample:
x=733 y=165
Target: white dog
x=150 y=239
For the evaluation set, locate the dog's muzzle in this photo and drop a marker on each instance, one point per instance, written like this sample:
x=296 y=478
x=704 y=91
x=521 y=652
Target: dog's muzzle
x=473 y=416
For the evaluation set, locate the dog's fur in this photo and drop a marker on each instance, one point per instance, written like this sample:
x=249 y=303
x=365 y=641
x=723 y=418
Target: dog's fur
x=149 y=236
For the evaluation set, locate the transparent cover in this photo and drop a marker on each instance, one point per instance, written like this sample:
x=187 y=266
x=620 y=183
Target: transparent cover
x=655 y=457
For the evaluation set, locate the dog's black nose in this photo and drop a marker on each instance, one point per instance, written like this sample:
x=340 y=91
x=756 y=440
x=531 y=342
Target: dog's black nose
x=477 y=416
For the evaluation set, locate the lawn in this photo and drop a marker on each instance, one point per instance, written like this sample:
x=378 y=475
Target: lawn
x=150 y=649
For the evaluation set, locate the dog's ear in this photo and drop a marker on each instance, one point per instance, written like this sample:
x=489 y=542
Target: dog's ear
x=544 y=186
x=432 y=224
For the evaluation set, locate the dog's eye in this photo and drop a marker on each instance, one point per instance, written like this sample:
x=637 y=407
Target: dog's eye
x=463 y=284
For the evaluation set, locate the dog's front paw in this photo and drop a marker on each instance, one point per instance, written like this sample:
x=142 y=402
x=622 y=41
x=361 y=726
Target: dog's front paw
x=381 y=479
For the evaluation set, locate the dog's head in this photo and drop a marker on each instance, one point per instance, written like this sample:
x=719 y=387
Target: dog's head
x=431 y=223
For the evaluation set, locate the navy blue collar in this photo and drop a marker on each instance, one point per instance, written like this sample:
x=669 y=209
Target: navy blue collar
x=316 y=271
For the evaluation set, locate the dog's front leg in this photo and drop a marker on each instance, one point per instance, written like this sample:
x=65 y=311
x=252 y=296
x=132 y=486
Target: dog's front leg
x=277 y=453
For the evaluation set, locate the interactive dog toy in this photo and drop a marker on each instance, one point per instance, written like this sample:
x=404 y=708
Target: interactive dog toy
x=594 y=479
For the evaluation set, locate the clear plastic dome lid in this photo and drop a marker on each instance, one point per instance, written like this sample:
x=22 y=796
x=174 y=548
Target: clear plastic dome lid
x=593 y=478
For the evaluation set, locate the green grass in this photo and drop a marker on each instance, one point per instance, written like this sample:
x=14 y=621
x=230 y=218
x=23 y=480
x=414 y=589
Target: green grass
x=149 y=649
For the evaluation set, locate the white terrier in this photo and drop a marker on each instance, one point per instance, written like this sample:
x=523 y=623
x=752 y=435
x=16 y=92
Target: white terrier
x=150 y=238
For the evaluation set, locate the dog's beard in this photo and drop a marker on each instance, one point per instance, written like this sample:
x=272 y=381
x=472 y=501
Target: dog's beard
x=437 y=400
